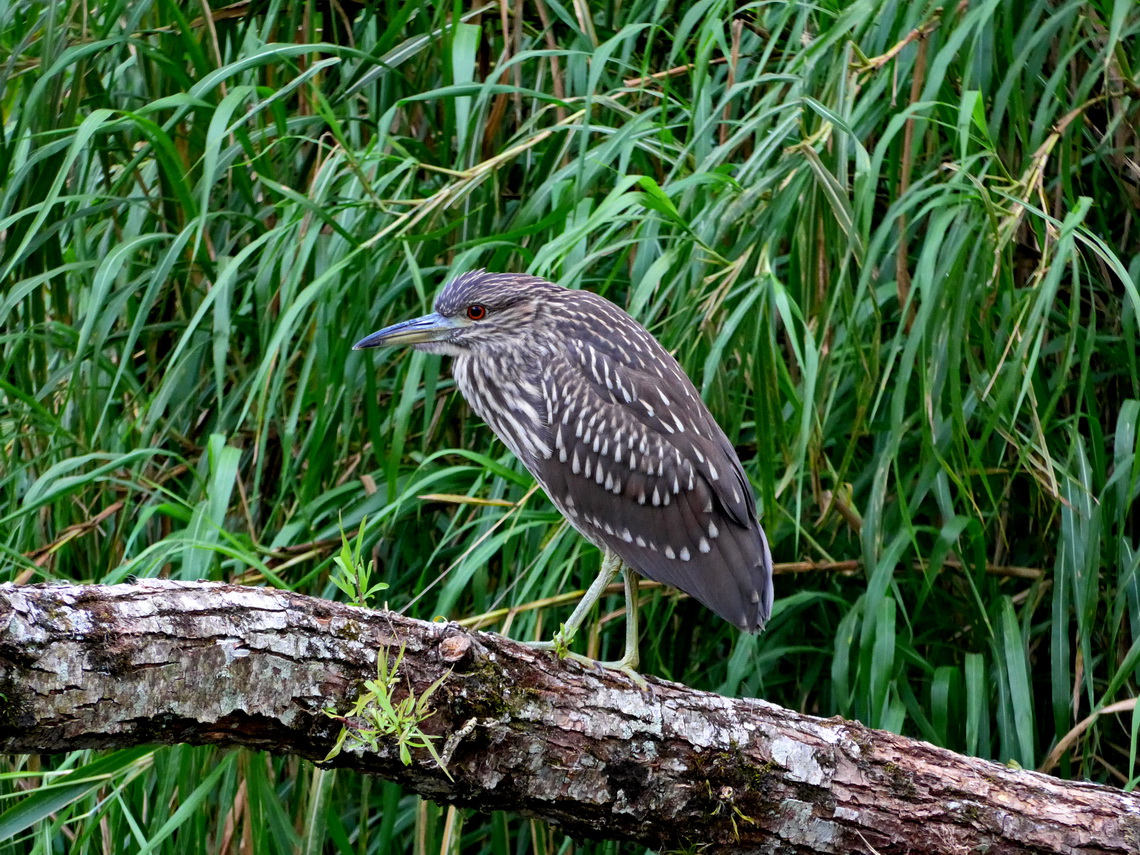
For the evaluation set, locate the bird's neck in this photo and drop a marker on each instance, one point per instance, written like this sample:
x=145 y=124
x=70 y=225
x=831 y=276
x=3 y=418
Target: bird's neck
x=507 y=393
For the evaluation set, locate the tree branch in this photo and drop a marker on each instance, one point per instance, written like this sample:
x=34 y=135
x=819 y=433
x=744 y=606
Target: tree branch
x=163 y=661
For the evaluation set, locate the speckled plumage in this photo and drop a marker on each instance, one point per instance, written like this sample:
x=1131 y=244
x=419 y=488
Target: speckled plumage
x=615 y=433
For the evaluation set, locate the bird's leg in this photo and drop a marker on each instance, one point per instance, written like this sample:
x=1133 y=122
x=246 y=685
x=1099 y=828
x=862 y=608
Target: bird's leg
x=611 y=563
x=631 y=658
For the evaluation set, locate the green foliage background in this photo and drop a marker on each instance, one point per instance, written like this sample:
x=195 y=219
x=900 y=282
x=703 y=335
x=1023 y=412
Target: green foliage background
x=894 y=243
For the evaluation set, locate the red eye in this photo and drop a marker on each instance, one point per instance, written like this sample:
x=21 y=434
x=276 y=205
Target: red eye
x=476 y=312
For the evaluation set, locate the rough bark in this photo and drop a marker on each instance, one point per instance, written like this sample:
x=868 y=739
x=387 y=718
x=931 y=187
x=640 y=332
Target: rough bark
x=166 y=662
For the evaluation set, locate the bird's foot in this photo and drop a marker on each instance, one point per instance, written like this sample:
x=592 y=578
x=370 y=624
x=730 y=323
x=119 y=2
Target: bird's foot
x=560 y=644
x=627 y=665
x=622 y=666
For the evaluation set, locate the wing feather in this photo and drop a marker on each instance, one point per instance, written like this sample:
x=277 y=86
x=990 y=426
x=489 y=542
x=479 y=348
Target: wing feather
x=649 y=473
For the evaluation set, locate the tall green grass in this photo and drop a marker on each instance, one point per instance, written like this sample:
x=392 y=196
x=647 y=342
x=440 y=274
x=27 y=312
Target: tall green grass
x=895 y=245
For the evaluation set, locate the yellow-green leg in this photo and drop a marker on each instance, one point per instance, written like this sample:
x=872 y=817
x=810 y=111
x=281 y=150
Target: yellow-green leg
x=611 y=565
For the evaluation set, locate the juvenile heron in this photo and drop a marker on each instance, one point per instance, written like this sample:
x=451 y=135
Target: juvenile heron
x=616 y=434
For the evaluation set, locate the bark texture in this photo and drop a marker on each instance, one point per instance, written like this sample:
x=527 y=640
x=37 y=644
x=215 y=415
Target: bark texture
x=166 y=662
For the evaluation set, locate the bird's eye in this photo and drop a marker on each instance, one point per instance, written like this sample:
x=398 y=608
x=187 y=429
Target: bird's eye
x=476 y=312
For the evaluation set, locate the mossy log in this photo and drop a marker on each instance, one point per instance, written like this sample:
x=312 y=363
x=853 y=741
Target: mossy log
x=519 y=730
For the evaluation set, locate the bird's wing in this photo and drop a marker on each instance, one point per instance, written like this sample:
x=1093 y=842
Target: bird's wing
x=653 y=478
x=633 y=372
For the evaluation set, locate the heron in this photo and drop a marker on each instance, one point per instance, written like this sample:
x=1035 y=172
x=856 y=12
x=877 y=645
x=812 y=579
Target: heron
x=610 y=426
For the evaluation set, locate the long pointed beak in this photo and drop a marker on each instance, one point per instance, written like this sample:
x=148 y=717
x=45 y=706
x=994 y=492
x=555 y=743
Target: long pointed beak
x=433 y=327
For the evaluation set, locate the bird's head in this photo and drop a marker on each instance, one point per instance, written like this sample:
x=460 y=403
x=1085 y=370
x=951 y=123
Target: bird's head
x=475 y=312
